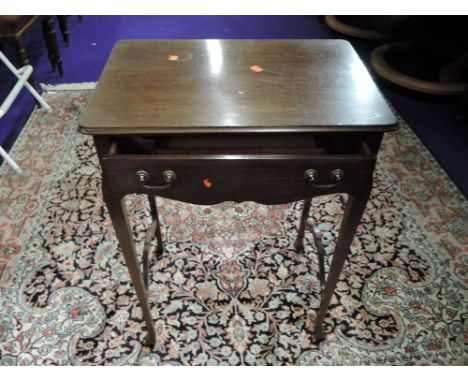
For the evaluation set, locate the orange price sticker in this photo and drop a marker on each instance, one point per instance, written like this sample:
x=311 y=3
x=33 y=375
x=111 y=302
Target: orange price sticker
x=256 y=68
x=173 y=57
x=207 y=183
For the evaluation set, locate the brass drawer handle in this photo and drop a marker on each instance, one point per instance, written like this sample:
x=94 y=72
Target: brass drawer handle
x=311 y=175
x=168 y=176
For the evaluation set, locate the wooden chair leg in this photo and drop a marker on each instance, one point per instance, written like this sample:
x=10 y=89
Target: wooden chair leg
x=50 y=52
x=23 y=57
x=63 y=24
x=351 y=219
x=51 y=38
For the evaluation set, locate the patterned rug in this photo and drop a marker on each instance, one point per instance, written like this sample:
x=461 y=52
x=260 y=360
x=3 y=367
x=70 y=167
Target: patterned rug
x=230 y=289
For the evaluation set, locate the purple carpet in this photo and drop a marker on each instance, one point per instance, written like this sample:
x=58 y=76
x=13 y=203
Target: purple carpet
x=93 y=38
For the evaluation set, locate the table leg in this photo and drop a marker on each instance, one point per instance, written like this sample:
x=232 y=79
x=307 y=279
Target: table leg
x=154 y=214
x=305 y=214
x=351 y=219
x=320 y=254
x=118 y=213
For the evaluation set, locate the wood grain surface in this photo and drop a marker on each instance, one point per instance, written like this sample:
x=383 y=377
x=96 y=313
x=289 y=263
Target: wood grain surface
x=235 y=86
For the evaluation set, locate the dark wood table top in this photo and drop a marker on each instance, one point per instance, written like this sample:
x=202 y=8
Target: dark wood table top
x=235 y=86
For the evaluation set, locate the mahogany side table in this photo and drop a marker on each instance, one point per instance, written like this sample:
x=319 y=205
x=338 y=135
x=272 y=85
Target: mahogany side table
x=206 y=121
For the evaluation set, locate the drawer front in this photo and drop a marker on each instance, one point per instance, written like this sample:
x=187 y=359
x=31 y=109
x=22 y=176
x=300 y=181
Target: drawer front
x=211 y=179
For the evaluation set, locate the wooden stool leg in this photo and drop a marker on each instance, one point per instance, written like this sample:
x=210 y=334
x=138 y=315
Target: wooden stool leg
x=351 y=219
x=118 y=213
x=50 y=52
x=154 y=214
x=23 y=57
x=300 y=236
x=63 y=24
x=48 y=28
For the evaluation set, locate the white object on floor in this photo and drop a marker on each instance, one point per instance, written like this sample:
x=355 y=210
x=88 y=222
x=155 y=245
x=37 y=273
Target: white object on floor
x=50 y=88
x=23 y=75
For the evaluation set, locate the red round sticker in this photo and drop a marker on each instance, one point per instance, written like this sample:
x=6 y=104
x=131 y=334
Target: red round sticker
x=207 y=183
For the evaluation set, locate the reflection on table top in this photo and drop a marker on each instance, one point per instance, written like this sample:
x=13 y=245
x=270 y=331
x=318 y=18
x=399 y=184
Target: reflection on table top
x=202 y=86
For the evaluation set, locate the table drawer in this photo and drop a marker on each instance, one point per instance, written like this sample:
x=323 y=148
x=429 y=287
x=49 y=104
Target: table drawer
x=213 y=178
